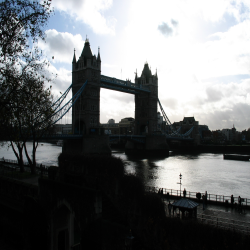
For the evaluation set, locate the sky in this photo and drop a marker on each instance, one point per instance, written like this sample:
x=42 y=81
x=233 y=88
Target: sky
x=200 y=49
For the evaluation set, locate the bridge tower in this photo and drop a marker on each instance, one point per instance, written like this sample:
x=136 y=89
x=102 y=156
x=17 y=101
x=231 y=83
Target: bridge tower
x=86 y=112
x=146 y=103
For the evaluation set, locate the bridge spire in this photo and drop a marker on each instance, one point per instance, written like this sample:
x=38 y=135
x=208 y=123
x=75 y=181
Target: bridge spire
x=99 y=57
x=74 y=57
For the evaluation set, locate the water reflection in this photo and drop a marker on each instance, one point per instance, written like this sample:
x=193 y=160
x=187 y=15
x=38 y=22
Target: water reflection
x=200 y=172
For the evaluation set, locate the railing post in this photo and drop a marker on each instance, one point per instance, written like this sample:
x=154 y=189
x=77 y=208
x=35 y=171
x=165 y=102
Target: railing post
x=171 y=191
x=223 y=198
x=216 y=197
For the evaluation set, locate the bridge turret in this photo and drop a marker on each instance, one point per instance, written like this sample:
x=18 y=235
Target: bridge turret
x=86 y=111
x=99 y=59
x=74 y=61
x=146 y=104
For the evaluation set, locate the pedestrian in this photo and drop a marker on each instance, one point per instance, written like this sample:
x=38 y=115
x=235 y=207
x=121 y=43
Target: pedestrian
x=184 y=193
x=169 y=208
x=232 y=200
x=239 y=203
x=162 y=191
x=203 y=201
x=206 y=198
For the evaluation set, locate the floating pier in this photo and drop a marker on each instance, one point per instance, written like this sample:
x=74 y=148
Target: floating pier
x=236 y=157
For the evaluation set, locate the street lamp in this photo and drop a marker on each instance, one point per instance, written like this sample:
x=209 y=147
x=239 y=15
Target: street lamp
x=180 y=176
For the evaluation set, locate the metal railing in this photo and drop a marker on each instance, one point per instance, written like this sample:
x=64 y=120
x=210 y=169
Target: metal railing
x=192 y=195
x=12 y=167
x=25 y=163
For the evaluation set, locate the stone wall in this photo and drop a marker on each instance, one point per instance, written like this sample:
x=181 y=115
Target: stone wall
x=89 y=145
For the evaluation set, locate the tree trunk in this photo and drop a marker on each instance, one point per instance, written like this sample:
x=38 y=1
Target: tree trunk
x=19 y=155
x=27 y=155
x=33 y=168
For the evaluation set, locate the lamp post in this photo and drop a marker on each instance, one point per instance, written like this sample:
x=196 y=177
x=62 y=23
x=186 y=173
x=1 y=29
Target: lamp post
x=180 y=176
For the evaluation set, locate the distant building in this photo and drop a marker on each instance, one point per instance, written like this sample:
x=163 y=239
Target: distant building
x=62 y=129
x=111 y=121
x=111 y=127
x=189 y=124
x=186 y=124
x=231 y=134
x=218 y=137
x=125 y=126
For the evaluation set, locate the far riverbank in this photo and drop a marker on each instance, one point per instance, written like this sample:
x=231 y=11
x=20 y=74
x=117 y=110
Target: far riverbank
x=216 y=149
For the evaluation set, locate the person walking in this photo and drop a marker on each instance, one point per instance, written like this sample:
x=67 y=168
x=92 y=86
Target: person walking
x=203 y=201
x=239 y=203
x=205 y=198
x=184 y=193
x=232 y=200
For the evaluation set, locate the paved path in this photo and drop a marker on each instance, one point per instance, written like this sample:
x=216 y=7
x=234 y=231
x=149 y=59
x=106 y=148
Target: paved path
x=226 y=217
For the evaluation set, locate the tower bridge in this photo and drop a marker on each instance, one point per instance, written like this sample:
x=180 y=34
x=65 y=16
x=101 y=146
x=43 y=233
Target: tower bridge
x=85 y=103
x=86 y=109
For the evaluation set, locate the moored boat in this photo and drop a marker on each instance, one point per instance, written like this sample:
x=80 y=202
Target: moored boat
x=236 y=157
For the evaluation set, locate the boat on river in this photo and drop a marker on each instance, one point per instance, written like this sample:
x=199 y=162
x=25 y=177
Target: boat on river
x=236 y=157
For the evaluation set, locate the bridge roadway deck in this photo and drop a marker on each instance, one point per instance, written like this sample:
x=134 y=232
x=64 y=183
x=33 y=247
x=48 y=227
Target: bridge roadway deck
x=140 y=138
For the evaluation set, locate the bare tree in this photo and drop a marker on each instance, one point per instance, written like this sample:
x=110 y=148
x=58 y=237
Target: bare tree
x=22 y=82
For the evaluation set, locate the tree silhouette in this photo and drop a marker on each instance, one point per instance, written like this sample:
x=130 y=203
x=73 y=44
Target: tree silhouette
x=22 y=77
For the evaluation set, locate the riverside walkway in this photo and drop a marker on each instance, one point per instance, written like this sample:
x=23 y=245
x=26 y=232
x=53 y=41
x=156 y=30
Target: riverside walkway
x=218 y=210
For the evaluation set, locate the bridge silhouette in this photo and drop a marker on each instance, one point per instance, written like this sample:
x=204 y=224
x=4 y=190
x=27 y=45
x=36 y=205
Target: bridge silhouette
x=85 y=102
x=117 y=85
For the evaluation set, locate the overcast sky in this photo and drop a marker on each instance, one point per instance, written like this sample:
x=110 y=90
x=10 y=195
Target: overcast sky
x=201 y=50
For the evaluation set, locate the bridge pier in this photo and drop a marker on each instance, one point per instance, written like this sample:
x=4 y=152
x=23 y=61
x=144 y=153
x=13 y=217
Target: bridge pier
x=88 y=145
x=155 y=145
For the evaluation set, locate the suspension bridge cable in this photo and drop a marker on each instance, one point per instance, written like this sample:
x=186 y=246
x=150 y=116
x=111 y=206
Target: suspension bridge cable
x=62 y=111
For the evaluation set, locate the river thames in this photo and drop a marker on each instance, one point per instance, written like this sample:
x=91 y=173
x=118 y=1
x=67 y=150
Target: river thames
x=200 y=172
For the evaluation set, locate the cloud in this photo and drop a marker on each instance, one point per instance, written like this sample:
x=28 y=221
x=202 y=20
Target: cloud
x=218 y=119
x=166 y=29
x=207 y=79
x=213 y=95
x=174 y=23
x=91 y=12
x=60 y=45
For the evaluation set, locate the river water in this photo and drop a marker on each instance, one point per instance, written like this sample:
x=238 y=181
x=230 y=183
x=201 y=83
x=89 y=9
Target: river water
x=200 y=172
